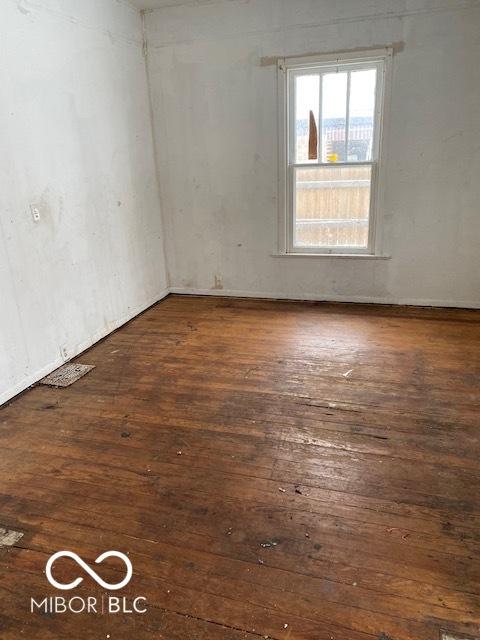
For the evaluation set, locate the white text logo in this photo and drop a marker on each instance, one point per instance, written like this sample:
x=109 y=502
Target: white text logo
x=106 y=604
x=86 y=568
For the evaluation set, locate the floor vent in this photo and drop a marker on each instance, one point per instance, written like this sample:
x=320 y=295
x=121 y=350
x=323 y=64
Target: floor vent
x=8 y=537
x=67 y=375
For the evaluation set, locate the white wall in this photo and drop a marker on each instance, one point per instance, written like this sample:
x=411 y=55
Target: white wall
x=216 y=132
x=76 y=139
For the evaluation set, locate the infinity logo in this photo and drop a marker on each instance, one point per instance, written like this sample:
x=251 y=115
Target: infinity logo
x=87 y=569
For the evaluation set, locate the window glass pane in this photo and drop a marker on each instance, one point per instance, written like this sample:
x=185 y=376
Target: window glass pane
x=362 y=114
x=306 y=99
x=332 y=206
x=334 y=116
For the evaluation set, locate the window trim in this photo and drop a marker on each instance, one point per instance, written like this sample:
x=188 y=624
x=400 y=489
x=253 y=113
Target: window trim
x=287 y=70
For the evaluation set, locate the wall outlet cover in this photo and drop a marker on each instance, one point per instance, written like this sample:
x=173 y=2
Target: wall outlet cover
x=35 y=211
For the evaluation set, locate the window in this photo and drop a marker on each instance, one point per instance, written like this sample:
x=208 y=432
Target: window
x=330 y=146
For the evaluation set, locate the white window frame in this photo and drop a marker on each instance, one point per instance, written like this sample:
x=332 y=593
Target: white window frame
x=288 y=70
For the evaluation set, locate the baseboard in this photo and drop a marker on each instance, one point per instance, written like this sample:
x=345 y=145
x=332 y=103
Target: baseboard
x=315 y=297
x=29 y=380
x=234 y=293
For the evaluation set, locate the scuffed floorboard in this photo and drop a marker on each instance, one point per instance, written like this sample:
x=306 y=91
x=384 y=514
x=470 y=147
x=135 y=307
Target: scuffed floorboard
x=8 y=538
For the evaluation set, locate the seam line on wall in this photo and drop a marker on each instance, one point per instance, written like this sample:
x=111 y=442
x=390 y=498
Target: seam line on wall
x=156 y=160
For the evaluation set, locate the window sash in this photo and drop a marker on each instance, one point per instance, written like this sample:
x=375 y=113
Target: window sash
x=321 y=70
x=292 y=218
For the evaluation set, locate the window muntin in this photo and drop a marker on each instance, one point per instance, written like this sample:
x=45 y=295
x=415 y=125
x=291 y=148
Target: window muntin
x=331 y=179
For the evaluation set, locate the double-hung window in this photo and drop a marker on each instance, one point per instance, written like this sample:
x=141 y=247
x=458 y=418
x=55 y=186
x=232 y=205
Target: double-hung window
x=331 y=124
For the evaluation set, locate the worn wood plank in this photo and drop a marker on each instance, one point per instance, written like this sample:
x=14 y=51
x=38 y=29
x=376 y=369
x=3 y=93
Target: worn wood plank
x=347 y=434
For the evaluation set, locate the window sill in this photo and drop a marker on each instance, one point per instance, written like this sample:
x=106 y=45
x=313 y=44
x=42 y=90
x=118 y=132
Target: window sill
x=361 y=256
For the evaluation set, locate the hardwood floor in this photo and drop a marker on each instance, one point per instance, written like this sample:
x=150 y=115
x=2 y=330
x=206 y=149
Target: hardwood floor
x=272 y=469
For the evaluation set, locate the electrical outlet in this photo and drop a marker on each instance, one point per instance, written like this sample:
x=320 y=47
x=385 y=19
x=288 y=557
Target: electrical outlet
x=64 y=352
x=35 y=211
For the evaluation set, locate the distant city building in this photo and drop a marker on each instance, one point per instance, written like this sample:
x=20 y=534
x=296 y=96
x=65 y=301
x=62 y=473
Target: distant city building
x=333 y=138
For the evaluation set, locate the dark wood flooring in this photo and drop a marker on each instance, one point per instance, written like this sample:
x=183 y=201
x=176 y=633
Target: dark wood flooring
x=345 y=439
